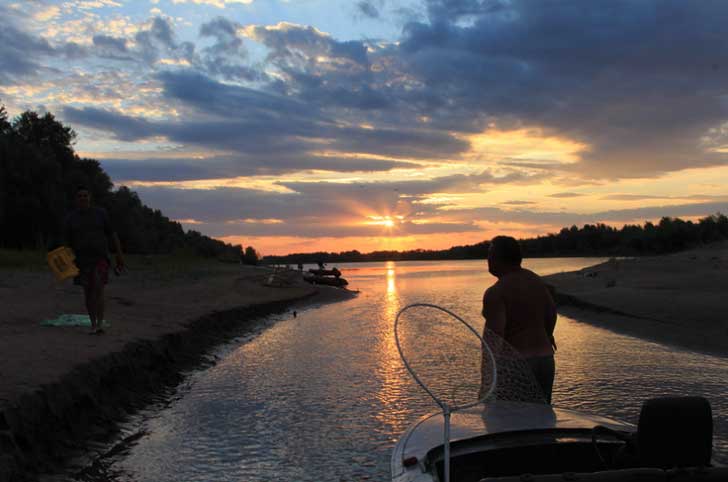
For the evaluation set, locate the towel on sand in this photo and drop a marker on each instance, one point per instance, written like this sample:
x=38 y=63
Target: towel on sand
x=71 y=320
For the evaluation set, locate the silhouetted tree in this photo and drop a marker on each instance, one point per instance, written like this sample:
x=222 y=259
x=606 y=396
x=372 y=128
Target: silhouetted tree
x=39 y=173
x=251 y=256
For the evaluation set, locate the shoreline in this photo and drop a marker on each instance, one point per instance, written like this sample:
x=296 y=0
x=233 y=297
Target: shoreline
x=675 y=299
x=79 y=387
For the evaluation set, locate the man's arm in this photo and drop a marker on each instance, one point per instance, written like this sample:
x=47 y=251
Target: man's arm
x=109 y=230
x=494 y=311
x=550 y=318
x=119 y=254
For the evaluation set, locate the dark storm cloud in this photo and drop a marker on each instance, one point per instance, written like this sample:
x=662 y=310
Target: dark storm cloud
x=640 y=82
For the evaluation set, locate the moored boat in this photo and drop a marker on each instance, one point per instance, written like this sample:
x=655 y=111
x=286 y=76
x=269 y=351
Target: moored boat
x=325 y=272
x=325 y=280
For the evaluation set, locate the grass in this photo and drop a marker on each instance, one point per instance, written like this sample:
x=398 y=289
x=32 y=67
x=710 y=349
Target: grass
x=30 y=260
x=159 y=266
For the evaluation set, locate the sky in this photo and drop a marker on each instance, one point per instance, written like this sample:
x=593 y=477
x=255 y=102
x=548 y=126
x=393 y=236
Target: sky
x=306 y=125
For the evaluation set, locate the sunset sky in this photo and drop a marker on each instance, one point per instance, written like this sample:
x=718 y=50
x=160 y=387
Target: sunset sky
x=304 y=125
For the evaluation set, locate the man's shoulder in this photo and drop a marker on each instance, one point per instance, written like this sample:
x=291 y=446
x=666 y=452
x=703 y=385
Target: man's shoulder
x=530 y=275
x=493 y=291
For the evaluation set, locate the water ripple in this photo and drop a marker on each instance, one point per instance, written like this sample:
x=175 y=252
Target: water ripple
x=325 y=396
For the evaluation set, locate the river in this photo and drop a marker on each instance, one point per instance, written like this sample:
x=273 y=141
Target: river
x=324 y=396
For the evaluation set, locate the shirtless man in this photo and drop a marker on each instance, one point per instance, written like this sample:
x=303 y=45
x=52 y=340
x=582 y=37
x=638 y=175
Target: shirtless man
x=520 y=309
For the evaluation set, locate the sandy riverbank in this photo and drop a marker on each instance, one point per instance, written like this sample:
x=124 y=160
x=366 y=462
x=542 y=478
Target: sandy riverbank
x=61 y=386
x=678 y=299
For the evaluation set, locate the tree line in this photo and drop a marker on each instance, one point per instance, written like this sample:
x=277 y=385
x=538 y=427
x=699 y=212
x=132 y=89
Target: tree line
x=667 y=236
x=39 y=174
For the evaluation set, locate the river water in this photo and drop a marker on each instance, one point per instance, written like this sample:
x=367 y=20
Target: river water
x=324 y=396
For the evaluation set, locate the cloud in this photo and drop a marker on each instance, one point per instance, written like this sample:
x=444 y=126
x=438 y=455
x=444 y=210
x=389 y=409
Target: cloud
x=367 y=9
x=287 y=40
x=215 y=3
x=563 y=195
x=20 y=53
x=565 y=218
x=342 y=210
x=181 y=169
x=313 y=212
x=111 y=47
x=227 y=56
x=576 y=71
x=251 y=121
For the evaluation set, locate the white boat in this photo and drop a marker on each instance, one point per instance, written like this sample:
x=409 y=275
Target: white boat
x=512 y=441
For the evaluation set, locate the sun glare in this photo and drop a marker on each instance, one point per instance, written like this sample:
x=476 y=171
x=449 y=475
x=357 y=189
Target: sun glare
x=385 y=221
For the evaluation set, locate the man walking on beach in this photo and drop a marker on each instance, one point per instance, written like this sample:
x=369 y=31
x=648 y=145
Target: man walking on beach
x=520 y=309
x=88 y=231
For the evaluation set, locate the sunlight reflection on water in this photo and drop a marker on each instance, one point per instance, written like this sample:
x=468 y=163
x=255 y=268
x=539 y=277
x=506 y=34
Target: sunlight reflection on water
x=325 y=396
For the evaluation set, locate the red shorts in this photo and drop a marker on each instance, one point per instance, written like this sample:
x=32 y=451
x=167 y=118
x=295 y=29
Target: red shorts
x=95 y=275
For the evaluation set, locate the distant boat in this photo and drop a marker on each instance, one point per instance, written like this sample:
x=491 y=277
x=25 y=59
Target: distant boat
x=325 y=272
x=325 y=280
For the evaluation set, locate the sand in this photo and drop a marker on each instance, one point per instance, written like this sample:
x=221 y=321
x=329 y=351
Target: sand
x=51 y=376
x=678 y=299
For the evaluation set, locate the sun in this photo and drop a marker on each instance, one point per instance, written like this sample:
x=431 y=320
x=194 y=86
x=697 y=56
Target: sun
x=385 y=221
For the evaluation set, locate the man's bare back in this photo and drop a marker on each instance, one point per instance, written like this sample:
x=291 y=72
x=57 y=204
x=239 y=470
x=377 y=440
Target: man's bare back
x=519 y=308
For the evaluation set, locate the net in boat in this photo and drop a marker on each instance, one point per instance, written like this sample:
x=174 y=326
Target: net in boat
x=456 y=365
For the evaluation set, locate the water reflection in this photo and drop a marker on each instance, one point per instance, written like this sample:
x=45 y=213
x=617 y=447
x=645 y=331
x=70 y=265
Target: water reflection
x=324 y=396
x=391 y=286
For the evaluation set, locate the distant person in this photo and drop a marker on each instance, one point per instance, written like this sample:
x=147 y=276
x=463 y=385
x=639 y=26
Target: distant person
x=88 y=231
x=520 y=309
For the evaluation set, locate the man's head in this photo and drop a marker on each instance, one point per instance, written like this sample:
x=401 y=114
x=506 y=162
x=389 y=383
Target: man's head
x=83 y=197
x=504 y=255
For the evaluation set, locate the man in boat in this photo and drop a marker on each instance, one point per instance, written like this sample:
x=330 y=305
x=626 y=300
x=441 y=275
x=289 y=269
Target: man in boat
x=519 y=308
x=88 y=231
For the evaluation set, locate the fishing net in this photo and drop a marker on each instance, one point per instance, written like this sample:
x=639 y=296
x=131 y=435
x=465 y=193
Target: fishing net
x=514 y=379
x=458 y=367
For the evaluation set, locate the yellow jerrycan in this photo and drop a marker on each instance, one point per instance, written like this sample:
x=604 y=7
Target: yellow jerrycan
x=61 y=262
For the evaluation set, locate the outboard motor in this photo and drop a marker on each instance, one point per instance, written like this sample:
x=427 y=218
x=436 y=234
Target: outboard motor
x=675 y=432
